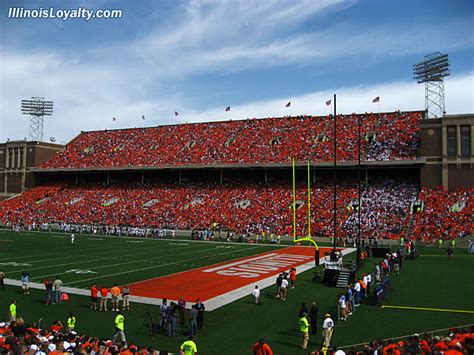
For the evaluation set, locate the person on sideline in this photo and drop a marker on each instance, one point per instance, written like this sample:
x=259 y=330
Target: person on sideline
x=115 y=292
x=125 y=298
x=189 y=347
x=57 y=285
x=25 y=282
x=94 y=297
x=103 y=298
x=71 y=322
x=12 y=311
x=304 y=329
x=328 y=326
x=256 y=295
x=119 y=327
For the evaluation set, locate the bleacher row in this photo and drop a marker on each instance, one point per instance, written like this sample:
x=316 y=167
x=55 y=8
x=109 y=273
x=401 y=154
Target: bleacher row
x=385 y=136
x=251 y=207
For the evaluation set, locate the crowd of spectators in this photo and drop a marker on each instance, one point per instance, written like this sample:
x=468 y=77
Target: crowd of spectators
x=456 y=342
x=244 y=208
x=384 y=136
x=20 y=338
x=445 y=214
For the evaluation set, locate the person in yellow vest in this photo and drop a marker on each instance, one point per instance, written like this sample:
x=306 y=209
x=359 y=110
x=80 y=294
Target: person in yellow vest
x=440 y=243
x=453 y=243
x=12 y=311
x=119 y=327
x=71 y=322
x=304 y=329
x=189 y=347
x=401 y=240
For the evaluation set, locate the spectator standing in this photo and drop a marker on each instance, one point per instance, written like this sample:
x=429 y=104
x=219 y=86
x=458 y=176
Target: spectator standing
x=125 y=298
x=189 y=347
x=256 y=294
x=283 y=288
x=193 y=315
x=292 y=277
x=103 y=298
x=278 y=284
x=119 y=327
x=48 y=284
x=200 y=308
x=163 y=307
x=328 y=326
x=171 y=317
x=57 y=286
x=304 y=329
x=94 y=293
x=25 y=282
x=115 y=292
x=262 y=348
x=357 y=289
x=313 y=317
x=181 y=310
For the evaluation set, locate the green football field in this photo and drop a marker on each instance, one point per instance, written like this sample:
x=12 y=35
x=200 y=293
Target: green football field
x=430 y=281
x=108 y=260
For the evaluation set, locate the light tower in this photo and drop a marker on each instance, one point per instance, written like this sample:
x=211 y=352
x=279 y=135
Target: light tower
x=37 y=108
x=431 y=71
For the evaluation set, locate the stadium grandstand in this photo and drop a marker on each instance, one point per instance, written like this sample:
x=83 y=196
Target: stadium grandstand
x=235 y=175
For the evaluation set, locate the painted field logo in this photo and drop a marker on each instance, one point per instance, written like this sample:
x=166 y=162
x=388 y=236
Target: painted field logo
x=256 y=267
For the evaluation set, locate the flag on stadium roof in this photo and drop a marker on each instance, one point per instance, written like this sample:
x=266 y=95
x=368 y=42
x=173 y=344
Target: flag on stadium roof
x=114 y=119
x=143 y=117
x=288 y=104
x=227 y=109
x=52 y=139
x=377 y=99
x=328 y=102
x=176 y=113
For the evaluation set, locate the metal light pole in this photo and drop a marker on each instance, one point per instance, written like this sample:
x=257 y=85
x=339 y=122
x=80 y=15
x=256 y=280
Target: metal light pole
x=335 y=179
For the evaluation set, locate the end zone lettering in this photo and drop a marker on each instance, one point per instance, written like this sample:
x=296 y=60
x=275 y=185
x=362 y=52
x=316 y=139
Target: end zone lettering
x=255 y=267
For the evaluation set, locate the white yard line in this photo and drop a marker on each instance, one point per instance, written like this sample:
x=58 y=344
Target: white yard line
x=156 y=266
x=101 y=259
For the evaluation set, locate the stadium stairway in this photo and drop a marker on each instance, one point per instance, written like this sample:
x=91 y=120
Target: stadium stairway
x=343 y=278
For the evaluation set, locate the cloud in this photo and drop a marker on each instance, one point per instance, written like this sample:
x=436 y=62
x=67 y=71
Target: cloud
x=403 y=95
x=129 y=78
x=87 y=98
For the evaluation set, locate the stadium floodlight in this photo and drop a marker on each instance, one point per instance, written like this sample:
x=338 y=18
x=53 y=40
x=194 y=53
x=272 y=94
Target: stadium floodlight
x=431 y=71
x=37 y=108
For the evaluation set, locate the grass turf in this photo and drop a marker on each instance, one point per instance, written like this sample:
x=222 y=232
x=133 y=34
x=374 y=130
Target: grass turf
x=429 y=281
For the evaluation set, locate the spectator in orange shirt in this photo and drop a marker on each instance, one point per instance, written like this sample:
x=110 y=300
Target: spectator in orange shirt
x=103 y=300
x=94 y=293
x=262 y=348
x=115 y=292
x=57 y=326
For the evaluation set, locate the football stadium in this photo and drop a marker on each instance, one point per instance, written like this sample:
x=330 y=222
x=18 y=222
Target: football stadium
x=294 y=233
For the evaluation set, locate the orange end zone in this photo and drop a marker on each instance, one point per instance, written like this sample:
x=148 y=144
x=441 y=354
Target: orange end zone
x=214 y=280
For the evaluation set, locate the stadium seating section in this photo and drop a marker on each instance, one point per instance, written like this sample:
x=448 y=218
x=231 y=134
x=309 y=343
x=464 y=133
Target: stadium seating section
x=250 y=207
x=386 y=136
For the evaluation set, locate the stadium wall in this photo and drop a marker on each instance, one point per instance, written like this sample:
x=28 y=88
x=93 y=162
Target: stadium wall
x=447 y=144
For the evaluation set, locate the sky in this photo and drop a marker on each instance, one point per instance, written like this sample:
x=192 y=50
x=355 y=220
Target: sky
x=199 y=57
